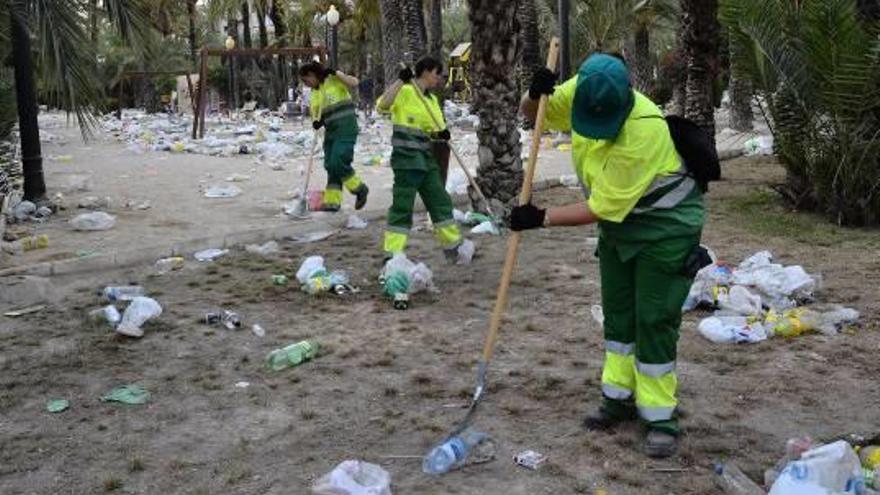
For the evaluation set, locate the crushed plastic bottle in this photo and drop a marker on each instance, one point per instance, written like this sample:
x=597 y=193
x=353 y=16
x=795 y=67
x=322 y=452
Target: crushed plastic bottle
x=733 y=481
x=452 y=453
x=166 y=265
x=123 y=292
x=292 y=355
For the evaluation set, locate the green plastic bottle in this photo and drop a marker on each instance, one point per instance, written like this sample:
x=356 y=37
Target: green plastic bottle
x=292 y=355
x=397 y=288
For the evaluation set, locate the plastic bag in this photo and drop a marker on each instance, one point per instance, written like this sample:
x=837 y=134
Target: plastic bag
x=355 y=222
x=222 y=192
x=269 y=248
x=456 y=182
x=354 y=478
x=486 y=228
x=420 y=276
x=96 y=220
x=210 y=254
x=136 y=314
x=740 y=301
x=831 y=469
x=311 y=265
x=731 y=329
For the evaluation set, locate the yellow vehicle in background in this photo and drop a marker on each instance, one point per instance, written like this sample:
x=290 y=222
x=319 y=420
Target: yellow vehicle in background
x=458 y=85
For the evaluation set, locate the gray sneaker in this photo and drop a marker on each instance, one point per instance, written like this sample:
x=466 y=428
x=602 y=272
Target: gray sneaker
x=660 y=445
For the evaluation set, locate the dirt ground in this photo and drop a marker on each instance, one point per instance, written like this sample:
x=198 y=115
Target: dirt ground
x=388 y=384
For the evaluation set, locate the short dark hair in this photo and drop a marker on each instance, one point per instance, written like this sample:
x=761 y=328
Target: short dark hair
x=426 y=64
x=314 y=68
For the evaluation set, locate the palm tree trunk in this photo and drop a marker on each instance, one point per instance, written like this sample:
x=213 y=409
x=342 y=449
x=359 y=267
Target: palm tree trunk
x=93 y=20
x=643 y=69
x=261 y=24
x=494 y=30
x=25 y=91
x=701 y=46
x=276 y=14
x=193 y=47
x=530 y=41
x=437 y=29
x=246 y=24
x=741 y=116
x=392 y=38
x=414 y=24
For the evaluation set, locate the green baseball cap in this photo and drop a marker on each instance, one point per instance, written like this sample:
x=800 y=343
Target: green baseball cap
x=603 y=97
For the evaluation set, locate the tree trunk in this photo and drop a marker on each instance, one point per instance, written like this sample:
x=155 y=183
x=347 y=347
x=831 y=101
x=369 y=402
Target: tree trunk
x=701 y=46
x=276 y=14
x=414 y=24
x=642 y=66
x=193 y=46
x=25 y=92
x=261 y=24
x=246 y=24
x=93 y=20
x=495 y=29
x=741 y=117
x=530 y=42
x=437 y=29
x=392 y=38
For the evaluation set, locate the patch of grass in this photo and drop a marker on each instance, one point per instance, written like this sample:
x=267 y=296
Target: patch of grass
x=763 y=213
x=111 y=484
x=237 y=474
x=135 y=465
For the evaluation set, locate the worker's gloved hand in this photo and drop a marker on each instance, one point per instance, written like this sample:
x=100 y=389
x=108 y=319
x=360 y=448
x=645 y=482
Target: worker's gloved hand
x=317 y=124
x=527 y=217
x=406 y=74
x=444 y=135
x=543 y=83
x=330 y=71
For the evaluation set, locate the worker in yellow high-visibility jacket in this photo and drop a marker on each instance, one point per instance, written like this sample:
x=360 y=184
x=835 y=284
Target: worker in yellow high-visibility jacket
x=331 y=100
x=414 y=162
x=650 y=216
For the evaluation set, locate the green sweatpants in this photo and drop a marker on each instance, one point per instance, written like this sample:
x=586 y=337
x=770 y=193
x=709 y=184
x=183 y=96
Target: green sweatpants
x=427 y=184
x=642 y=295
x=338 y=155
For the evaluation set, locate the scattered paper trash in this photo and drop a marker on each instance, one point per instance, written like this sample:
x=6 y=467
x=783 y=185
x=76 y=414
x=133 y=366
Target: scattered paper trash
x=242 y=385
x=354 y=478
x=258 y=330
x=211 y=254
x=96 y=220
x=127 y=394
x=57 y=405
x=238 y=178
x=223 y=192
x=309 y=237
x=136 y=314
x=530 y=459
x=266 y=249
x=356 y=223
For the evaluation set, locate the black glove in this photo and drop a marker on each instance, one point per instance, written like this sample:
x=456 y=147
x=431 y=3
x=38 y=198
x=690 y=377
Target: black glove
x=329 y=71
x=317 y=124
x=527 y=217
x=406 y=74
x=543 y=83
x=444 y=135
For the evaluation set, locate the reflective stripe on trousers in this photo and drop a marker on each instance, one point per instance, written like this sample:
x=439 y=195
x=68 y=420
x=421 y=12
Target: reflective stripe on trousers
x=656 y=386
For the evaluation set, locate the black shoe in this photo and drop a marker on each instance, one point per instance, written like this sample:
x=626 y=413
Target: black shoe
x=331 y=208
x=659 y=445
x=602 y=420
x=361 y=197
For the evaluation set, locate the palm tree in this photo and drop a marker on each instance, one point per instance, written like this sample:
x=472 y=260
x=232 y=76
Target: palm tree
x=414 y=25
x=436 y=50
x=191 y=17
x=648 y=15
x=65 y=60
x=701 y=46
x=530 y=41
x=392 y=37
x=741 y=116
x=494 y=31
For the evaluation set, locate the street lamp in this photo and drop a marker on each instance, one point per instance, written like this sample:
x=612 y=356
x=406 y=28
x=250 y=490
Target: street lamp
x=333 y=21
x=230 y=42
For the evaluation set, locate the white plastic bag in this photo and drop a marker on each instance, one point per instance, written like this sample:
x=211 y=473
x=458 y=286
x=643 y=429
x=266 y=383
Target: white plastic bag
x=466 y=252
x=223 y=192
x=308 y=267
x=421 y=277
x=108 y=313
x=96 y=220
x=731 y=329
x=486 y=228
x=356 y=223
x=354 y=478
x=136 y=314
x=267 y=249
x=456 y=182
x=832 y=469
x=740 y=301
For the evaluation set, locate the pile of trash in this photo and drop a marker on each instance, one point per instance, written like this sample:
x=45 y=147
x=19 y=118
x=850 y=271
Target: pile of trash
x=139 y=310
x=759 y=299
x=314 y=278
x=402 y=277
x=842 y=467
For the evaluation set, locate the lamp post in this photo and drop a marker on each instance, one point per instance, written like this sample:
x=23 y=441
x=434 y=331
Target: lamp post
x=233 y=96
x=333 y=22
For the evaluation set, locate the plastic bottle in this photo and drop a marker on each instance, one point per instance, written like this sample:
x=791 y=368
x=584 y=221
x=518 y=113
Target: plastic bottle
x=292 y=355
x=123 y=292
x=452 y=453
x=397 y=287
x=27 y=244
x=166 y=265
x=733 y=481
